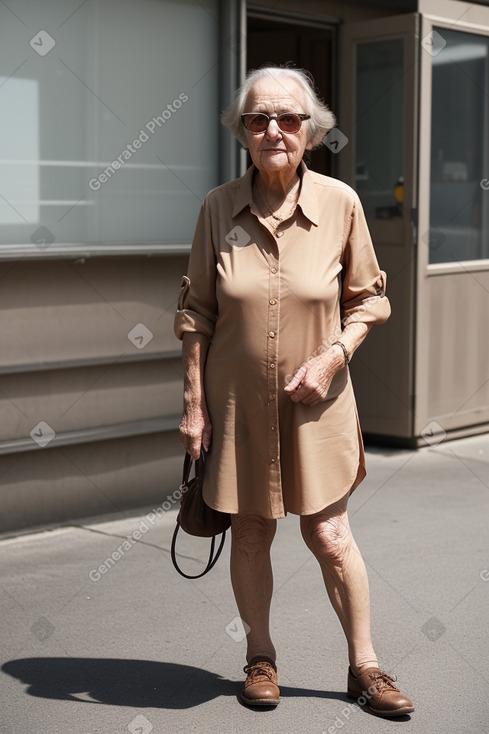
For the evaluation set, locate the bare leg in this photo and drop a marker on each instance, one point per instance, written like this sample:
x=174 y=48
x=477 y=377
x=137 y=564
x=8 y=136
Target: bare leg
x=328 y=535
x=252 y=580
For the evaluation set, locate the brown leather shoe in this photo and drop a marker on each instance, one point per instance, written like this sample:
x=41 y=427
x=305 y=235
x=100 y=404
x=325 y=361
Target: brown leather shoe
x=260 y=688
x=377 y=690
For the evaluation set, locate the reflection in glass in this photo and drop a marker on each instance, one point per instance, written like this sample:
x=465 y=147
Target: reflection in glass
x=19 y=154
x=109 y=123
x=459 y=149
x=378 y=122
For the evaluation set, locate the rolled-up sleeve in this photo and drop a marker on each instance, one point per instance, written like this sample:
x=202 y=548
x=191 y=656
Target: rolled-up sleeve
x=197 y=303
x=363 y=295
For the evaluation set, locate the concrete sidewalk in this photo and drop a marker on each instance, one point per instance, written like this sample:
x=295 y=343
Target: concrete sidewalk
x=127 y=645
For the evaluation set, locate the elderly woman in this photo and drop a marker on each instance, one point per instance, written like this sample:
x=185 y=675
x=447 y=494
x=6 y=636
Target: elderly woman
x=283 y=286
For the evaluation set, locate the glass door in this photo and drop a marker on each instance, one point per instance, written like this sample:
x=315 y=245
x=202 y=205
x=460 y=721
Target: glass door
x=378 y=118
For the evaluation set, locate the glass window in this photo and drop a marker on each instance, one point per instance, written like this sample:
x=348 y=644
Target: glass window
x=378 y=127
x=459 y=203
x=109 y=119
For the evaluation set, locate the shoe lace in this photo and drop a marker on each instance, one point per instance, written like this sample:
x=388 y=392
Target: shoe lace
x=382 y=680
x=259 y=670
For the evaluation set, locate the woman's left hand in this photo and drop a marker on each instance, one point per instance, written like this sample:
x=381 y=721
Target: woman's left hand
x=311 y=381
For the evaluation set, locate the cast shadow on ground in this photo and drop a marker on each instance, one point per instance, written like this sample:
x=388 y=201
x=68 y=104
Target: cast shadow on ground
x=139 y=683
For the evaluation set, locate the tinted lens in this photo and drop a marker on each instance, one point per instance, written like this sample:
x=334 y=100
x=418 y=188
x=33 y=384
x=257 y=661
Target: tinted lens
x=256 y=123
x=289 y=123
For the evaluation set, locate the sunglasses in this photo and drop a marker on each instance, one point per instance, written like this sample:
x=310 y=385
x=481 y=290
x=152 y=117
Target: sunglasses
x=258 y=122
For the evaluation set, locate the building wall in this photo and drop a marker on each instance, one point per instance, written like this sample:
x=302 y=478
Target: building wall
x=108 y=143
x=89 y=416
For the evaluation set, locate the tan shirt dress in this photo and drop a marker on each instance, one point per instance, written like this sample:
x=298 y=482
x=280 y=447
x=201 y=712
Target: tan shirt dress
x=270 y=301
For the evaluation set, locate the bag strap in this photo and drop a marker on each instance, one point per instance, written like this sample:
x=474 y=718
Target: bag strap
x=187 y=467
x=212 y=558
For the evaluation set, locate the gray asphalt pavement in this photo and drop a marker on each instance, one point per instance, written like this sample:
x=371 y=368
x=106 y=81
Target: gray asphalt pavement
x=99 y=633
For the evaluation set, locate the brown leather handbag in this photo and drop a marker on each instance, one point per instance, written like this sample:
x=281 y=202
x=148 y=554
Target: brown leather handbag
x=197 y=518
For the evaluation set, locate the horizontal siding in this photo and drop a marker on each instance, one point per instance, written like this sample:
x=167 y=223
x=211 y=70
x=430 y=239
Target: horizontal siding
x=59 y=485
x=68 y=310
x=68 y=361
x=74 y=399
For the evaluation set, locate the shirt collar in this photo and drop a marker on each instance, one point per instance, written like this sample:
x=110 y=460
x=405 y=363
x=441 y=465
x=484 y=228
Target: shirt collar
x=307 y=197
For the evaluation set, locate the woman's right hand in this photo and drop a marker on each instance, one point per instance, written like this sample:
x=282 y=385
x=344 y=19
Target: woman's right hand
x=195 y=429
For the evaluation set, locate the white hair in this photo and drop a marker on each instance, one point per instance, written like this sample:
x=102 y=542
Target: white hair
x=322 y=119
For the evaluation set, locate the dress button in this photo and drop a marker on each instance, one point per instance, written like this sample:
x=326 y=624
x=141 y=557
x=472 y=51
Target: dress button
x=273 y=461
x=273 y=428
x=271 y=334
x=279 y=234
x=273 y=270
x=272 y=365
x=272 y=396
x=272 y=301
